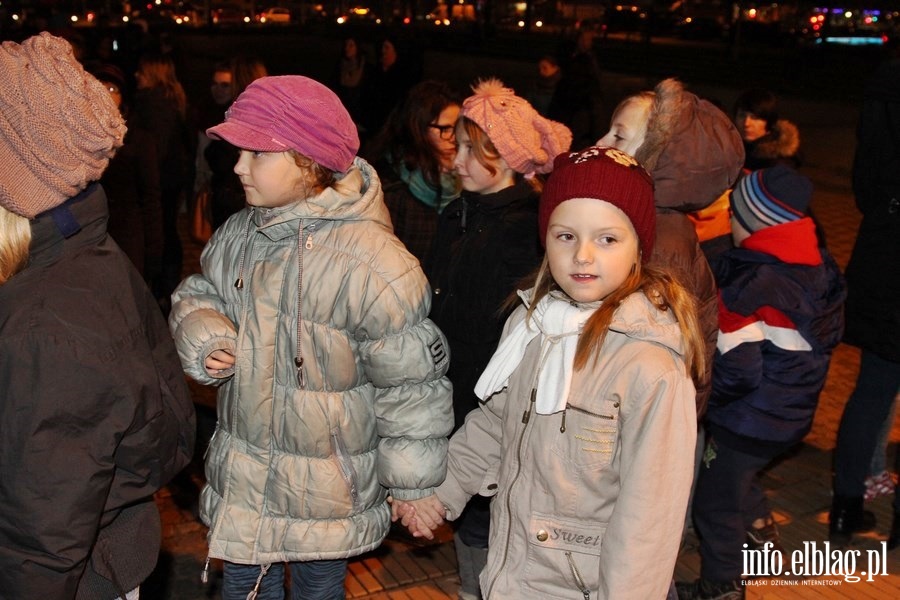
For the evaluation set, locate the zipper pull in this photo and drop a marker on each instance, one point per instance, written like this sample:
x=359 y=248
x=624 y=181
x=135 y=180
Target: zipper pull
x=526 y=416
x=562 y=426
x=301 y=379
x=309 y=243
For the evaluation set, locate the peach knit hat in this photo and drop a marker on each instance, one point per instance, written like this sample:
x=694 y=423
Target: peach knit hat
x=58 y=125
x=527 y=141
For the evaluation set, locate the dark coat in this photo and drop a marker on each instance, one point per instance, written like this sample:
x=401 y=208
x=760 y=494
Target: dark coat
x=873 y=275
x=485 y=245
x=95 y=414
x=414 y=222
x=131 y=183
x=780 y=316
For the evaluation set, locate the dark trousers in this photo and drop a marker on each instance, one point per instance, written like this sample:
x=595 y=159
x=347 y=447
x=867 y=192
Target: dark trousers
x=728 y=498
x=866 y=410
x=310 y=580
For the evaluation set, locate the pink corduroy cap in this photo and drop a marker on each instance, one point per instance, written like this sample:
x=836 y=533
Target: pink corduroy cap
x=291 y=112
x=527 y=141
x=605 y=174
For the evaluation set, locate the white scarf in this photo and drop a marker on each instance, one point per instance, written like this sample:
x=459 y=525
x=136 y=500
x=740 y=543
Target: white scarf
x=559 y=322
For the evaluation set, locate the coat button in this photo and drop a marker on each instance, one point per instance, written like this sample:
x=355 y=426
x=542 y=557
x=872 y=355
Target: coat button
x=542 y=536
x=437 y=291
x=492 y=486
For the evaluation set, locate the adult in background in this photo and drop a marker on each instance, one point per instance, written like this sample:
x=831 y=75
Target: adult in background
x=227 y=193
x=131 y=183
x=160 y=107
x=391 y=78
x=873 y=314
x=95 y=413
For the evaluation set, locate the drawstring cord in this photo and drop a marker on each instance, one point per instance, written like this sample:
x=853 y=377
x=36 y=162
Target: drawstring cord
x=263 y=569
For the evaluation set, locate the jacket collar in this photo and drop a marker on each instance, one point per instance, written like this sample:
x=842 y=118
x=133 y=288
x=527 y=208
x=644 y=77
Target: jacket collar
x=80 y=221
x=356 y=197
x=793 y=243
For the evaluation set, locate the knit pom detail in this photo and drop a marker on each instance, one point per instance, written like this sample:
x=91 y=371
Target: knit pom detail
x=491 y=87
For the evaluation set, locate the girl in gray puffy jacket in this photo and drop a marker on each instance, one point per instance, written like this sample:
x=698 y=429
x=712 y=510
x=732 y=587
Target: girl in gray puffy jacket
x=311 y=316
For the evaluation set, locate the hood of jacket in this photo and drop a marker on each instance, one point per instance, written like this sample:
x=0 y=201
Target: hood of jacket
x=355 y=197
x=639 y=319
x=692 y=149
x=780 y=143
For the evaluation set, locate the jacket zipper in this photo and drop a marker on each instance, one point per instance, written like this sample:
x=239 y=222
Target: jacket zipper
x=579 y=581
x=526 y=418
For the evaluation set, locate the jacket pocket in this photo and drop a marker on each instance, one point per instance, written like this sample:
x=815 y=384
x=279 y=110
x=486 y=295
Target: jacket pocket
x=563 y=557
x=587 y=434
x=345 y=466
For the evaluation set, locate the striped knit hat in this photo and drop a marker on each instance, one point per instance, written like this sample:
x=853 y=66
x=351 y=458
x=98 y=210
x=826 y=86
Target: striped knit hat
x=770 y=197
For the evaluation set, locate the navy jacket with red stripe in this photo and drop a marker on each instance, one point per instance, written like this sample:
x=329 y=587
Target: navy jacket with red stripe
x=780 y=316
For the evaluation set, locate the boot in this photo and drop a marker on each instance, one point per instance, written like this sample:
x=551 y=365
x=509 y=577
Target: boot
x=846 y=518
x=702 y=589
x=894 y=539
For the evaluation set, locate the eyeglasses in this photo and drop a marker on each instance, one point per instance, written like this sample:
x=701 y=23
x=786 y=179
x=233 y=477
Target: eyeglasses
x=446 y=132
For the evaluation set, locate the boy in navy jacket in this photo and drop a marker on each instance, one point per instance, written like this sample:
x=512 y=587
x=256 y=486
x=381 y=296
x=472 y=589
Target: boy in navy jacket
x=780 y=316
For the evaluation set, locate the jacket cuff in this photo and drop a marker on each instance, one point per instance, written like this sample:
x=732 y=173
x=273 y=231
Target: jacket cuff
x=453 y=497
x=217 y=343
x=405 y=494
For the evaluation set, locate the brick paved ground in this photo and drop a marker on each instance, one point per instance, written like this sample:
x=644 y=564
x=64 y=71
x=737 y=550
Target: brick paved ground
x=799 y=485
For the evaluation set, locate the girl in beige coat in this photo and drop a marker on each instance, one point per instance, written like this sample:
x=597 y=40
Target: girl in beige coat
x=587 y=430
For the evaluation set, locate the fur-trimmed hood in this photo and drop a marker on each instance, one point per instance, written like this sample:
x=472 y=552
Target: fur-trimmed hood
x=692 y=149
x=781 y=144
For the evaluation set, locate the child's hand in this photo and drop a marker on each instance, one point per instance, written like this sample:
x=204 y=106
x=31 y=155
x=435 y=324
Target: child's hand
x=421 y=517
x=218 y=362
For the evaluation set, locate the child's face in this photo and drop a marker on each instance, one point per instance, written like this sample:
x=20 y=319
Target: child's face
x=474 y=176
x=270 y=179
x=751 y=127
x=591 y=248
x=629 y=127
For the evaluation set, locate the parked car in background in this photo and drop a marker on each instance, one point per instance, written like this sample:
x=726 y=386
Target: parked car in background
x=274 y=16
x=229 y=15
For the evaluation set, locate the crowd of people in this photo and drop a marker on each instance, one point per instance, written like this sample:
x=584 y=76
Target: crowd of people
x=572 y=339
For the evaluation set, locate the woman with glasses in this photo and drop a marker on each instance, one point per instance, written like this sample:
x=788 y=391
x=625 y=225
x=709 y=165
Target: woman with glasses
x=414 y=159
x=487 y=241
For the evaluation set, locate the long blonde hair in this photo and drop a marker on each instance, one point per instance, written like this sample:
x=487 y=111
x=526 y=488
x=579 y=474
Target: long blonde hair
x=15 y=240
x=660 y=287
x=159 y=70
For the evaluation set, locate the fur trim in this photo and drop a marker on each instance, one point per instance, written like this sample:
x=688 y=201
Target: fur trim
x=782 y=142
x=665 y=115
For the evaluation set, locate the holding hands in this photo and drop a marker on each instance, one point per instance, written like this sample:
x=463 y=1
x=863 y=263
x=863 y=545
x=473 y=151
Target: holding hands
x=421 y=517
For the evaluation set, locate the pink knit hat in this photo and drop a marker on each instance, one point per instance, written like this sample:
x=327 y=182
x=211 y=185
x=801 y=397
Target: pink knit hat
x=291 y=112
x=58 y=125
x=606 y=174
x=527 y=141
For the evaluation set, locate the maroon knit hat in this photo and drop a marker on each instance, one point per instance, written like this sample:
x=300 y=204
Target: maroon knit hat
x=604 y=174
x=291 y=112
